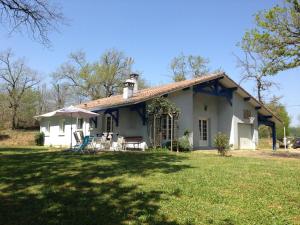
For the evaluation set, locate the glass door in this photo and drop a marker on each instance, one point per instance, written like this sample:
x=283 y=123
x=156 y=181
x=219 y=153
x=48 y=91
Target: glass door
x=203 y=131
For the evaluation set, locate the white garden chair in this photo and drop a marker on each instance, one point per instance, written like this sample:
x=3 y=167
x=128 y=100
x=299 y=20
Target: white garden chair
x=120 y=146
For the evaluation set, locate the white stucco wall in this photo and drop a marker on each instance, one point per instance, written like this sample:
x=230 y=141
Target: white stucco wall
x=130 y=124
x=54 y=137
x=239 y=105
x=221 y=115
x=211 y=113
x=184 y=101
x=225 y=121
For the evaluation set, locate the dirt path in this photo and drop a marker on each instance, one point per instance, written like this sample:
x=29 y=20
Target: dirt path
x=280 y=154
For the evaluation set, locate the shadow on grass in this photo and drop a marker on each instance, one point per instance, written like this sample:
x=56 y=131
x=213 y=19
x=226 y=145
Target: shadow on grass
x=64 y=188
x=288 y=154
x=22 y=150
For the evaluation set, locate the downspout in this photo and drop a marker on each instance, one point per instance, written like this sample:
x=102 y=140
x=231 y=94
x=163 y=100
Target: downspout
x=284 y=138
x=172 y=125
x=274 y=136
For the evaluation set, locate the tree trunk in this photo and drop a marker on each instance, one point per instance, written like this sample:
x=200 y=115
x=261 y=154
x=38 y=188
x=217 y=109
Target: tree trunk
x=59 y=101
x=258 y=85
x=14 y=117
x=259 y=95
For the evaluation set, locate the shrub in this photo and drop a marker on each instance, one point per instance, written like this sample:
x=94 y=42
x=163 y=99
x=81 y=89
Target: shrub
x=40 y=139
x=221 y=142
x=168 y=145
x=186 y=132
x=184 y=143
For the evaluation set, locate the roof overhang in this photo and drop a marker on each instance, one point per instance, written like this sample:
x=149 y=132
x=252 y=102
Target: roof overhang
x=225 y=80
x=259 y=106
x=130 y=102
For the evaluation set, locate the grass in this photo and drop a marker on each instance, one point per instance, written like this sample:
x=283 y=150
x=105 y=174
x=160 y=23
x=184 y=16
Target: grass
x=38 y=186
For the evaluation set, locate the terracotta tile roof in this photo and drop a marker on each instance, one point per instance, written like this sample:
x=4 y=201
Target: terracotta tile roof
x=149 y=93
x=146 y=94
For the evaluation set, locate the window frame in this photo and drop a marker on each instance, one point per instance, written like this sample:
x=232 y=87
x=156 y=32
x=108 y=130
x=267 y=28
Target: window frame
x=62 y=124
x=81 y=124
x=111 y=124
x=166 y=127
x=93 y=124
x=203 y=126
x=47 y=128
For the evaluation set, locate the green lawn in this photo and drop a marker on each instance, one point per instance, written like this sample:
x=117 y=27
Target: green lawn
x=41 y=187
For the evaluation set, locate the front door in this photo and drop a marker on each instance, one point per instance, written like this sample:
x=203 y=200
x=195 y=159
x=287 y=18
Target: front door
x=203 y=130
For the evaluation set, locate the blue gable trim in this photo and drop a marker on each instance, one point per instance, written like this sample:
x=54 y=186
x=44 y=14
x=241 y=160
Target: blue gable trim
x=114 y=114
x=141 y=111
x=140 y=108
x=215 y=88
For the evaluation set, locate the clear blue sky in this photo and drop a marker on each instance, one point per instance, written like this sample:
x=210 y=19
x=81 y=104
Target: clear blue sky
x=152 y=32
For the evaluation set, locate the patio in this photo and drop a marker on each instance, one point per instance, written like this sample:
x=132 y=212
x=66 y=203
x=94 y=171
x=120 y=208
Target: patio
x=107 y=141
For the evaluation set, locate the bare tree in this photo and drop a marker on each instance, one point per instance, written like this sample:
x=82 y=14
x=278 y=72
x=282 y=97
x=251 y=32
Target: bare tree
x=184 y=66
x=35 y=17
x=17 y=78
x=59 y=92
x=43 y=99
x=54 y=97
x=4 y=115
x=95 y=80
x=253 y=68
x=198 y=65
x=114 y=67
x=47 y=99
x=77 y=72
x=179 y=68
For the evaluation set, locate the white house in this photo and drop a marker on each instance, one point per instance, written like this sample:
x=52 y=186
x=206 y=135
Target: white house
x=208 y=105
